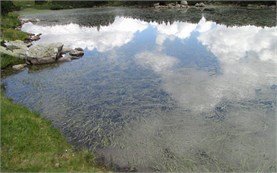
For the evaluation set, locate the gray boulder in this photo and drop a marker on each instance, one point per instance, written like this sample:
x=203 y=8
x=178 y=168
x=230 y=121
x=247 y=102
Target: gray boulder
x=15 y=48
x=77 y=52
x=156 y=4
x=184 y=2
x=66 y=50
x=17 y=44
x=44 y=54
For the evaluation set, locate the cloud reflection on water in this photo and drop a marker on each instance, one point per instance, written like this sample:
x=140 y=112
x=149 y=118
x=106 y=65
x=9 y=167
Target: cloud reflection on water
x=245 y=53
x=115 y=35
x=246 y=57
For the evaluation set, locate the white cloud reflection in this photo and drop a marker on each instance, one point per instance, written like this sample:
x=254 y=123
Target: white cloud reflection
x=115 y=35
x=245 y=54
x=246 y=58
x=156 y=61
x=180 y=30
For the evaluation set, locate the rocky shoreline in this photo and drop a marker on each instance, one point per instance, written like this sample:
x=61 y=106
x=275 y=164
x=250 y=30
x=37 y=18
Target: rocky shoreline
x=40 y=53
x=200 y=5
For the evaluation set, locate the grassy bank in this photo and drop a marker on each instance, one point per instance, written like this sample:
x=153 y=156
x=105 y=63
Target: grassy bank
x=30 y=143
x=8 y=32
x=9 y=22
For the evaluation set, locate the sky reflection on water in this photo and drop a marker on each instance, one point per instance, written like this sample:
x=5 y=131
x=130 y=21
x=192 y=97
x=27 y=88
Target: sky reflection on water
x=244 y=54
x=168 y=97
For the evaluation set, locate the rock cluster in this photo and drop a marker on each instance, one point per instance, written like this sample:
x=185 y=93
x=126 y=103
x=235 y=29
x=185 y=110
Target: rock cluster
x=33 y=37
x=40 y=54
x=201 y=4
x=181 y=4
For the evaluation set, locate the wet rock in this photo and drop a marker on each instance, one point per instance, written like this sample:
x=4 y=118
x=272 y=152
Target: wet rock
x=75 y=57
x=79 y=49
x=250 y=6
x=29 y=20
x=65 y=58
x=77 y=52
x=184 y=6
x=34 y=37
x=19 y=66
x=184 y=2
x=201 y=4
x=170 y=5
x=156 y=5
x=262 y=6
x=44 y=54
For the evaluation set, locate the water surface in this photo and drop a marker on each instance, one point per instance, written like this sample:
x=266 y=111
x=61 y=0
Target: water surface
x=160 y=90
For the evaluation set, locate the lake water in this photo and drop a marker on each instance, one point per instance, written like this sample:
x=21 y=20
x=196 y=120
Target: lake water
x=160 y=90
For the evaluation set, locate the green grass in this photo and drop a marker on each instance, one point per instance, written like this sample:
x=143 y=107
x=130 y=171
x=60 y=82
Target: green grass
x=30 y=143
x=8 y=61
x=9 y=21
x=12 y=34
x=8 y=24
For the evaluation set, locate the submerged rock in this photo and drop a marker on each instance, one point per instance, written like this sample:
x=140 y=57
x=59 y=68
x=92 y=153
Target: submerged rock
x=19 y=66
x=44 y=54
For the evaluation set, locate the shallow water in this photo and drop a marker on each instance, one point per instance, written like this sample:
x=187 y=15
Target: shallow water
x=160 y=90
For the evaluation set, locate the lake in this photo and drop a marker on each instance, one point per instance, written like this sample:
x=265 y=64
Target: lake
x=160 y=90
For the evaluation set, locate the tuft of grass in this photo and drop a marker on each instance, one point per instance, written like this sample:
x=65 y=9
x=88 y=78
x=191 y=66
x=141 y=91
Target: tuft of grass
x=30 y=143
x=8 y=24
x=10 y=20
x=13 y=34
x=7 y=61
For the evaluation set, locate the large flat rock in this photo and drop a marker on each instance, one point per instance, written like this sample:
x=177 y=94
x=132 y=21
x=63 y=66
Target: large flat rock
x=44 y=54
